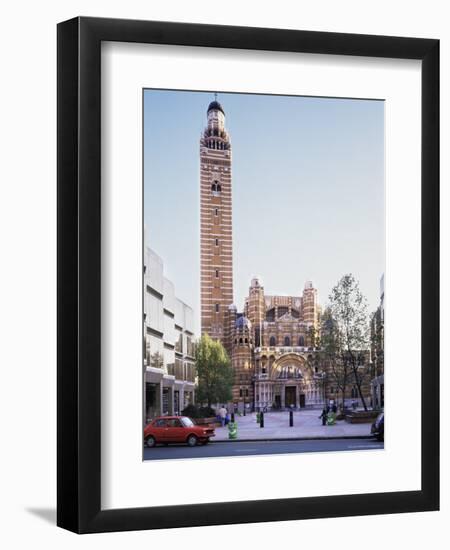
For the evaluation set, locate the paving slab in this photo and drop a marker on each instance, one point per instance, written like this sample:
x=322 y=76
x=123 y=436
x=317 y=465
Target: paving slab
x=307 y=425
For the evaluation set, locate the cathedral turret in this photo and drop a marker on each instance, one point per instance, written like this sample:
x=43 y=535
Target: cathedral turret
x=215 y=136
x=216 y=246
x=310 y=306
x=256 y=309
x=242 y=361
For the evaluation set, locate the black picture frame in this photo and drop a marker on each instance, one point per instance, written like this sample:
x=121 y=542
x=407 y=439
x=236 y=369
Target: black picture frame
x=79 y=275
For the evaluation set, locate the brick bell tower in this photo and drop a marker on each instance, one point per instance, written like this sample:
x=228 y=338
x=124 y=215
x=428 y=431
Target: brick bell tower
x=216 y=246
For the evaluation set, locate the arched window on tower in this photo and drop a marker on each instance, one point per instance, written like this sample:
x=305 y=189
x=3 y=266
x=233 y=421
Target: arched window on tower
x=287 y=341
x=272 y=342
x=301 y=341
x=216 y=188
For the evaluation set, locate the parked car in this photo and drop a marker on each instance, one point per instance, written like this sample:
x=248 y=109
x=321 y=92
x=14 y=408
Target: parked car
x=176 y=429
x=377 y=429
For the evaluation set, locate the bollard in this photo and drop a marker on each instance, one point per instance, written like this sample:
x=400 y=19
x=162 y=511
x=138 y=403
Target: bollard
x=232 y=417
x=291 y=418
x=232 y=430
x=261 y=420
x=331 y=419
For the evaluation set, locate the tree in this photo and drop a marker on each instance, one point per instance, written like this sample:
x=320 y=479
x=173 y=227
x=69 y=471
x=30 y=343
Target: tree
x=376 y=342
x=338 y=369
x=157 y=360
x=349 y=337
x=215 y=375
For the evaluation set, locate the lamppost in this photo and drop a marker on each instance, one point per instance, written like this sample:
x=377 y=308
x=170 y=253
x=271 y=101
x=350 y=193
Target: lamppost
x=323 y=376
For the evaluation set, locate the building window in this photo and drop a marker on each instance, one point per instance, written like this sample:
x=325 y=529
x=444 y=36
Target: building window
x=282 y=310
x=240 y=392
x=301 y=341
x=217 y=308
x=219 y=188
x=214 y=187
x=270 y=315
x=246 y=392
x=217 y=273
x=216 y=212
x=272 y=342
x=287 y=341
x=217 y=242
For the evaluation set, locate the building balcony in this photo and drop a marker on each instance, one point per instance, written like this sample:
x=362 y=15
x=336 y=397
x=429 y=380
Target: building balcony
x=261 y=376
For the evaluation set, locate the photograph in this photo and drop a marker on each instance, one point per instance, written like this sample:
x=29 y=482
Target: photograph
x=263 y=274
x=210 y=213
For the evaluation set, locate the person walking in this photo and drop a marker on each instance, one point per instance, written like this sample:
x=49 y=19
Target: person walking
x=223 y=414
x=324 y=415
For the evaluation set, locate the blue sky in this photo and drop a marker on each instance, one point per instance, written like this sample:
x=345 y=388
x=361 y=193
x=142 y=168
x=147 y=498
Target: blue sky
x=308 y=190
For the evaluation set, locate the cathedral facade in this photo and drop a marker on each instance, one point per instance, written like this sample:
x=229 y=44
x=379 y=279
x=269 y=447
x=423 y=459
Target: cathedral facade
x=272 y=340
x=272 y=347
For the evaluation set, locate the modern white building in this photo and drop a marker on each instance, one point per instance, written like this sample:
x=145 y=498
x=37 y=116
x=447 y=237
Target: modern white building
x=377 y=352
x=169 y=369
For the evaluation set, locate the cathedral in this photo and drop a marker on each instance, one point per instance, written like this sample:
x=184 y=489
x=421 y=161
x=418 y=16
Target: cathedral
x=272 y=348
x=271 y=342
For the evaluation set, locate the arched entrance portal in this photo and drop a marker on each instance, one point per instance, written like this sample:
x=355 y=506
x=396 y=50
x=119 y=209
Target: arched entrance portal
x=287 y=381
x=290 y=383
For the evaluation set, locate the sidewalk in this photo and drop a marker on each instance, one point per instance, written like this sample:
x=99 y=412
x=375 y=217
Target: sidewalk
x=307 y=425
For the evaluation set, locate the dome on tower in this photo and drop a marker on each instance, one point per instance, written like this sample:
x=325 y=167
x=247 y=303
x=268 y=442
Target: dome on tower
x=256 y=282
x=242 y=322
x=215 y=105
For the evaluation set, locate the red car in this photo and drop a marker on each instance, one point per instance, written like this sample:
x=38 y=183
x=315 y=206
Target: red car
x=176 y=429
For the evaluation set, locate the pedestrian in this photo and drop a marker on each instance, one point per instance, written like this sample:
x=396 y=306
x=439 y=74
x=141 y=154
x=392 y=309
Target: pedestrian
x=324 y=415
x=334 y=408
x=223 y=414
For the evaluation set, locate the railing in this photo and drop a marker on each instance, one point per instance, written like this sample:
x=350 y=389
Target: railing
x=286 y=349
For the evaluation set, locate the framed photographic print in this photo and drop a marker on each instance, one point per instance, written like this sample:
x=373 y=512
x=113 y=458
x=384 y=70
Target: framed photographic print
x=248 y=260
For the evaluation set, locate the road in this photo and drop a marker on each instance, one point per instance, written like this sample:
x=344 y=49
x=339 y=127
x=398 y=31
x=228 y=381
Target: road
x=238 y=448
